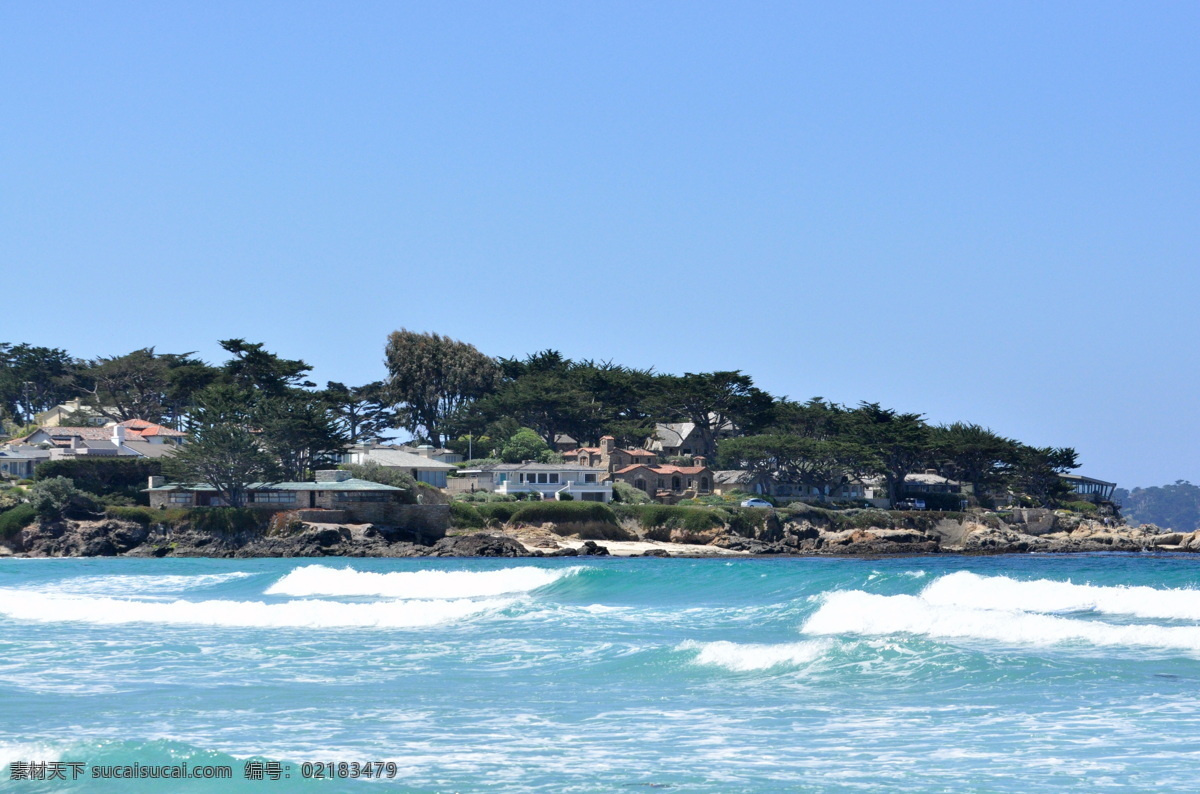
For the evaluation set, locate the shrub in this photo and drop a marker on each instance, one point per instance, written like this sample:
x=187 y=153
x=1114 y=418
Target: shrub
x=141 y=515
x=566 y=497
x=1081 y=507
x=693 y=519
x=497 y=512
x=625 y=493
x=55 y=496
x=14 y=520
x=121 y=477
x=384 y=475
x=563 y=513
x=465 y=516
x=226 y=520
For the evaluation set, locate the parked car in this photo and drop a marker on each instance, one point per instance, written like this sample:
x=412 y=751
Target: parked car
x=756 y=502
x=910 y=504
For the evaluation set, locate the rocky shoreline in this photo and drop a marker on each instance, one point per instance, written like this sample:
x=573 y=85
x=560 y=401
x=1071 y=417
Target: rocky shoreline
x=795 y=536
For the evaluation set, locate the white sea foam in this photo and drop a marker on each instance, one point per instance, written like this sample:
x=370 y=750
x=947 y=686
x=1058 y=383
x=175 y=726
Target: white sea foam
x=742 y=657
x=130 y=584
x=856 y=612
x=968 y=589
x=322 y=580
x=48 y=608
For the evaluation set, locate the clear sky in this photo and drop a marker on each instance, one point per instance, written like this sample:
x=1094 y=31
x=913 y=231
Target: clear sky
x=976 y=211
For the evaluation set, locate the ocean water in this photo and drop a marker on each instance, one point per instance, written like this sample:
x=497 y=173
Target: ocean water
x=1014 y=673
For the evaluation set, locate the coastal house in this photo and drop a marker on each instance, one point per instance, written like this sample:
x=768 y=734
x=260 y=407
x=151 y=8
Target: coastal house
x=668 y=483
x=133 y=438
x=72 y=412
x=673 y=439
x=349 y=499
x=18 y=461
x=421 y=467
x=1089 y=489
x=609 y=456
x=731 y=480
x=551 y=480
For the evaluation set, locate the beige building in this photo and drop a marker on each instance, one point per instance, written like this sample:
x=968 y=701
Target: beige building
x=668 y=483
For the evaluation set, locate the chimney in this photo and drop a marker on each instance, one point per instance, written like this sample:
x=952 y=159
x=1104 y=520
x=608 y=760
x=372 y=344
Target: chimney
x=425 y=450
x=75 y=442
x=118 y=436
x=157 y=481
x=607 y=445
x=699 y=460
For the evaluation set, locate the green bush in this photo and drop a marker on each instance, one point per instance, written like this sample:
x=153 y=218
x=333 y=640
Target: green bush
x=227 y=520
x=693 y=519
x=1086 y=508
x=563 y=513
x=465 y=516
x=142 y=515
x=14 y=520
x=625 y=493
x=384 y=475
x=122 y=477
x=56 y=496
x=566 y=497
x=497 y=512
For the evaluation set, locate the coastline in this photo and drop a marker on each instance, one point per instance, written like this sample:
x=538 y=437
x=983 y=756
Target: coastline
x=927 y=535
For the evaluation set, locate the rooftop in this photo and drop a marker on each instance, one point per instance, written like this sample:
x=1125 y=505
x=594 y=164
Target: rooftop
x=344 y=485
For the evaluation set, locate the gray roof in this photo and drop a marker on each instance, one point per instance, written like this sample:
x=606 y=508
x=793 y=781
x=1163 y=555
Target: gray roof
x=730 y=476
x=1081 y=478
x=399 y=459
x=148 y=450
x=344 y=485
x=538 y=467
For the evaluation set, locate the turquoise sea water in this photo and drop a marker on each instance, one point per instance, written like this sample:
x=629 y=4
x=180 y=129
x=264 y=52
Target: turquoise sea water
x=1015 y=673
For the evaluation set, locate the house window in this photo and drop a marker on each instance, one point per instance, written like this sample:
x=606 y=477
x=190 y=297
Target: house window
x=272 y=497
x=554 y=476
x=361 y=496
x=703 y=483
x=180 y=498
x=662 y=483
x=542 y=478
x=589 y=478
x=640 y=484
x=675 y=483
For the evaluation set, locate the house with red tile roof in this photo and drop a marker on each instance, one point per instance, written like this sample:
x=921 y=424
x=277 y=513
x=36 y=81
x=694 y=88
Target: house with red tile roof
x=668 y=483
x=609 y=456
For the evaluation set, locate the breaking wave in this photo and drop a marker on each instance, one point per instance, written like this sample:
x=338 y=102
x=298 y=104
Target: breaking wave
x=856 y=612
x=127 y=584
x=741 y=657
x=312 y=580
x=966 y=589
x=47 y=608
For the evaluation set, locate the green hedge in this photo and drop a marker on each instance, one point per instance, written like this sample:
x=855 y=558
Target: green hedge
x=14 y=520
x=465 y=516
x=563 y=513
x=142 y=515
x=123 y=477
x=498 y=512
x=693 y=519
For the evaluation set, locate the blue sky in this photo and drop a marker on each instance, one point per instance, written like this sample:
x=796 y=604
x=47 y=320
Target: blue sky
x=985 y=212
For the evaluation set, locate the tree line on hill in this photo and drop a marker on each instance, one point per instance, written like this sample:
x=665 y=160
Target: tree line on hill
x=257 y=416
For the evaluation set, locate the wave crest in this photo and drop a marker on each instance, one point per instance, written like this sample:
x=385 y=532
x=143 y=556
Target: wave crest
x=45 y=608
x=312 y=580
x=856 y=612
x=967 y=589
x=743 y=657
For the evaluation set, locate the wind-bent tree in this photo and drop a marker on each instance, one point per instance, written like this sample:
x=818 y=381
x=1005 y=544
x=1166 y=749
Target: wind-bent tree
x=1036 y=473
x=143 y=384
x=899 y=442
x=301 y=432
x=972 y=453
x=716 y=402
x=788 y=458
x=223 y=451
x=257 y=369
x=34 y=379
x=362 y=412
x=227 y=457
x=431 y=378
